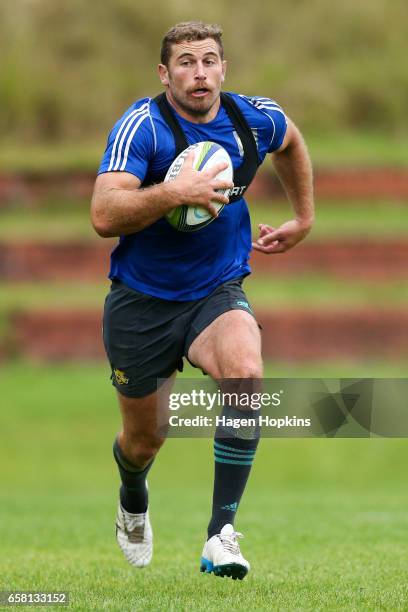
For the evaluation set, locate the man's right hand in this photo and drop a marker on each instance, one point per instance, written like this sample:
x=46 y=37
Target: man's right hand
x=120 y=206
x=195 y=188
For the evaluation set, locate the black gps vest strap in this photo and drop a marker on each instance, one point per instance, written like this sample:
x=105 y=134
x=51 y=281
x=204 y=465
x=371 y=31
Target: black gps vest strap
x=243 y=175
x=170 y=118
x=243 y=130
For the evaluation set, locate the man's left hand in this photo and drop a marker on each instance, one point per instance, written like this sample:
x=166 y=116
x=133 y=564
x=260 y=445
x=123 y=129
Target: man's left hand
x=278 y=240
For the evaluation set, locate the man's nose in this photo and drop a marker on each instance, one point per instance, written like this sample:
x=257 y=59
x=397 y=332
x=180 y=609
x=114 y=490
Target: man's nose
x=200 y=74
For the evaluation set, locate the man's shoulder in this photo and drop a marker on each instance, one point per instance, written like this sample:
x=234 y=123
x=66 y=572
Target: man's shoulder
x=142 y=118
x=266 y=119
x=135 y=113
x=132 y=136
x=258 y=105
x=147 y=107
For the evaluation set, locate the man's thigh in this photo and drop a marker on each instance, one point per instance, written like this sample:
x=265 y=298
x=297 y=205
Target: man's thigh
x=229 y=347
x=144 y=339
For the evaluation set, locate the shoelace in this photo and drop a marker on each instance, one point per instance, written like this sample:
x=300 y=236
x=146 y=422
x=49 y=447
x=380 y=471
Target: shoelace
x=135 y=535
x=230 y=543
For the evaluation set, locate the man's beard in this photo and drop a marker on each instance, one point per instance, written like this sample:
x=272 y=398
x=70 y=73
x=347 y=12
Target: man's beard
x=195 y=111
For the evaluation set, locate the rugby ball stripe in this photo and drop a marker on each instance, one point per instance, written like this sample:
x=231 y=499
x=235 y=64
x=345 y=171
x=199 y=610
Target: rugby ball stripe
x=206 y=153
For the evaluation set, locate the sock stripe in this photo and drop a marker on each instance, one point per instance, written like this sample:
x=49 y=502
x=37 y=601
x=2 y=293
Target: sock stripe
x=232 y=461
x=220 y=453
x=244 y=452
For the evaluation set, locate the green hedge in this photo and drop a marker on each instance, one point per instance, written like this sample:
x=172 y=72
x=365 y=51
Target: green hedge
x=69 y=68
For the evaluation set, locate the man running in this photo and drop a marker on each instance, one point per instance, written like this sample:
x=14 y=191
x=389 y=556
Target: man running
x=178 y=294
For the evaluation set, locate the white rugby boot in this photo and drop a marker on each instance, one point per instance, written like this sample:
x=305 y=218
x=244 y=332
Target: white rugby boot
x=135 y=537
x=222 y=556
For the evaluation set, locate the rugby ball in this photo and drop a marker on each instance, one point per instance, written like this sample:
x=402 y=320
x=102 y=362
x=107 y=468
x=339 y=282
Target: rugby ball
x=206 y=154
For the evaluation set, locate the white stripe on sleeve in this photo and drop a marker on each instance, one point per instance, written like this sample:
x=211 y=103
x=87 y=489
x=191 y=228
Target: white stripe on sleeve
x=135 y=119
x=130 y=138
x=274 y=108
x=125 y=124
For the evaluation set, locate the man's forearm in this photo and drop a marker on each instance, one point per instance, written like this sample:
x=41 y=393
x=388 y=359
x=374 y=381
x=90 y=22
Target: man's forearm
x=294 y=170
x=126 y=211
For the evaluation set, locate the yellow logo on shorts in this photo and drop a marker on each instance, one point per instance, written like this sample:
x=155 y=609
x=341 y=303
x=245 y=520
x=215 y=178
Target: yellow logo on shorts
x=121 y=377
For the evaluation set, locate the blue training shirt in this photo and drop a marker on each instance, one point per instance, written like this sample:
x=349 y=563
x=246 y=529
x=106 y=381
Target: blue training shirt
x=159 y=260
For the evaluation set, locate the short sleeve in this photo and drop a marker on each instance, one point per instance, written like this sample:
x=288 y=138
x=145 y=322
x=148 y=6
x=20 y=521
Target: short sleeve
x=278 y=122
x=281 y=125
x=131 y=143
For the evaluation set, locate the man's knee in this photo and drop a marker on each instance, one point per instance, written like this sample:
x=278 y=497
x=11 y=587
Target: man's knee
x=140 y=450
x=249 y=368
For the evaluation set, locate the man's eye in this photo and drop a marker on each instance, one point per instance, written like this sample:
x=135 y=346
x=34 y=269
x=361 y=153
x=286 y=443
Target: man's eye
x=185 y=63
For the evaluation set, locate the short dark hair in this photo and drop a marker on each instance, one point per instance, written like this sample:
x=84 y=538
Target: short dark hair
x=189 y=31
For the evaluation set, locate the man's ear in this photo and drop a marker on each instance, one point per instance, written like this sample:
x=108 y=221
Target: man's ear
x=163 y=74
x=224 y=70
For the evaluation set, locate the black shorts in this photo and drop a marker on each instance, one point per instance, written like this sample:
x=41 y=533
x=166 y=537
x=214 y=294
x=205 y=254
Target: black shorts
x=146 y=337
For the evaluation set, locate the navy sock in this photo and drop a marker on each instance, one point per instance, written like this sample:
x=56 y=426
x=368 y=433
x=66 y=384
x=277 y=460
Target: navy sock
x=133 y=492
x=233 y=460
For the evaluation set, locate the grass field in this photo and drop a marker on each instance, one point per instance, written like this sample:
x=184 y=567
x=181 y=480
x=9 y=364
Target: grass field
x=325 y=520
